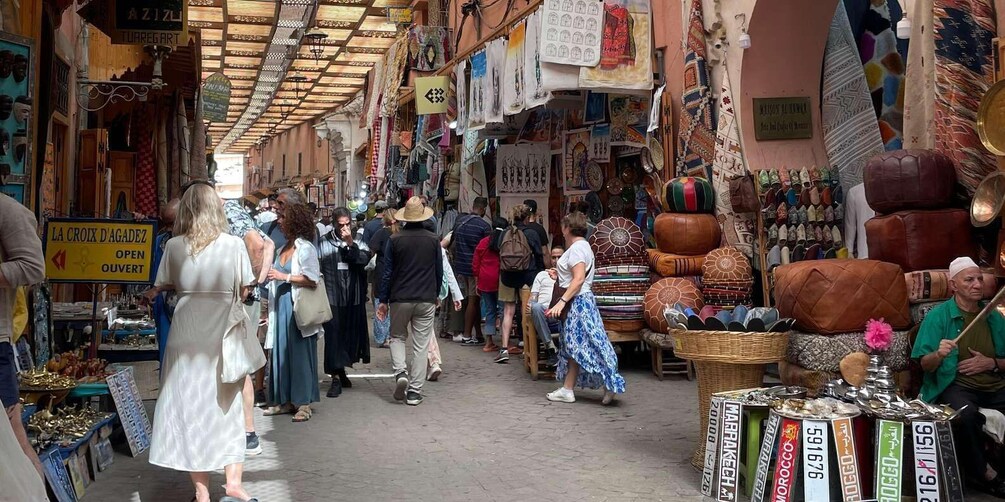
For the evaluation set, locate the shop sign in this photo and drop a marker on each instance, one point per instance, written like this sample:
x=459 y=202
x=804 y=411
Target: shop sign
x=764 y=458
x=140 y=22
x=711 y=441
x=816 y=466
x=400 y=16
x=950 y=467
x=926 y=461
x=729 y=459
x=431 y=95
x=216 y=97
x=99 y=251
x=844 y=447
x=788 y=461
x=129 y=406
x=889 y=460
x=782 y=118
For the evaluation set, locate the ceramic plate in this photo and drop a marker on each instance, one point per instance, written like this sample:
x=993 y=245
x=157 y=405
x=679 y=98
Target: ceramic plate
x=629 y=175
x=594 y=176
x=616 y=206
x=596 y=207
x=614 y=186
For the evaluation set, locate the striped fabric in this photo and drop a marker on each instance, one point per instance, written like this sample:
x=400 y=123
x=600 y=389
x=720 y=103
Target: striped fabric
x=737 y=228
x=628 y=288
x=627 y=301
x=851 y=133
x=688 y=194
x=621 y=270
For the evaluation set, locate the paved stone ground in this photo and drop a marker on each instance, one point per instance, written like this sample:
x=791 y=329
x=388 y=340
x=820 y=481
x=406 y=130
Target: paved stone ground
x=484 y=432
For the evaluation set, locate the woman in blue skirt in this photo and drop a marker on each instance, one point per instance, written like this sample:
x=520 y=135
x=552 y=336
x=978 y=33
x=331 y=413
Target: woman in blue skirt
x=587 y=358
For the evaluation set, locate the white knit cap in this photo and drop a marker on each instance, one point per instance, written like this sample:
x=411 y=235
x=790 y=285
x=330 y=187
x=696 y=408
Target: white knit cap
x=960 y=264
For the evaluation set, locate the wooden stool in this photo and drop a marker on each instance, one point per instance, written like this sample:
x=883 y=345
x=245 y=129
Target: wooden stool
x=663 y=360
x=531 y=358
x=754 y=420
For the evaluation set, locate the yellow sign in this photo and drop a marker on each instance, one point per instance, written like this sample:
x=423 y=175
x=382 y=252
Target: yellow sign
x=431 y=95
x=103 y=251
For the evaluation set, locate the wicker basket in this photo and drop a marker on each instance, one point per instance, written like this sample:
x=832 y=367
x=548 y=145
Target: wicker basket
x=725 y=360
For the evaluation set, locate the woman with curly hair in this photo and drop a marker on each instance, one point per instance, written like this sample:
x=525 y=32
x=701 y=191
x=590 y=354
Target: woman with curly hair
x=293 y=381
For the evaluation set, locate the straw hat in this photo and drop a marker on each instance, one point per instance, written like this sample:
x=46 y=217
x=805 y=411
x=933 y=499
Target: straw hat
x=414 y=211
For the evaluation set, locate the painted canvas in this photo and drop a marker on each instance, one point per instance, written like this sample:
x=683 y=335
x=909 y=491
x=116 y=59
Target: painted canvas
x=575 y=155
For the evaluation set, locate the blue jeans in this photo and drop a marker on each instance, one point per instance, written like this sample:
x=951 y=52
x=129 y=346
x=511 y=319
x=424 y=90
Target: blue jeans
x=544 y=325
x=490 y=311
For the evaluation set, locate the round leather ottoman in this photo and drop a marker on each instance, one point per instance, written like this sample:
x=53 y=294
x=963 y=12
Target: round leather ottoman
x=616 y=238
x=688 y=194
x=669 y=291
x=726 y=265
x=687 y=234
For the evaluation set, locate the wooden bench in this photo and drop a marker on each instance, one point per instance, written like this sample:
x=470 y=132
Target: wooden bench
x=663 y=359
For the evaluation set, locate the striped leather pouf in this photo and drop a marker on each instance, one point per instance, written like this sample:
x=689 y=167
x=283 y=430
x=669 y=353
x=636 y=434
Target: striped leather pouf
x=688 y=194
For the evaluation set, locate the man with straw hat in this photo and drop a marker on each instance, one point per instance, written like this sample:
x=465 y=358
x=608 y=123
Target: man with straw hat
x=409 y=289
x=961 y=348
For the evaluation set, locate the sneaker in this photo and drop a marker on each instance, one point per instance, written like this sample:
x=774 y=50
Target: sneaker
x=608 y=398
x=260 y=399
x=562 y=395
x=401 y=382
x=471 y=342
x=335 y=390
x=434 y=373
x=503 y=357
x=414 y=399
x=460 y=339
x=252 y=445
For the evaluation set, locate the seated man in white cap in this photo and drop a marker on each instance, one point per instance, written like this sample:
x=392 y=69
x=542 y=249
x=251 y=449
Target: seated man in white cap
x=965 y=372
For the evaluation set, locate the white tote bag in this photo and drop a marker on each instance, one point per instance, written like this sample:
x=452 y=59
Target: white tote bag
x=312 y=308
x=242 y=354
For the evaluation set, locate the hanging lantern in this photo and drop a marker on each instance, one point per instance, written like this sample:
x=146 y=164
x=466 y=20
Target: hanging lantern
x=315 y=40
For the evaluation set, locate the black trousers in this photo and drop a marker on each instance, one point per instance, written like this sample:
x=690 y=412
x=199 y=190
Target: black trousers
x=968 y=427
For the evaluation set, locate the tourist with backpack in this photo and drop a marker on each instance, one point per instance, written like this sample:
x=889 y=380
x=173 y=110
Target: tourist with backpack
x=520 y=260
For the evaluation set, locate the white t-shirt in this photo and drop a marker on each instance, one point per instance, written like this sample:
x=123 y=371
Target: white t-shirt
x=579 y=252
x=543 y=287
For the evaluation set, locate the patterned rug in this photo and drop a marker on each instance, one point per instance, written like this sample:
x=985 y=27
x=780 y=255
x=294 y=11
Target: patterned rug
x=737 y=229
x=696 y=137
x=963 y=73
x=851 y=133
x=146 y=176
x=884 y=73
x=919 y=89
x=428 y=47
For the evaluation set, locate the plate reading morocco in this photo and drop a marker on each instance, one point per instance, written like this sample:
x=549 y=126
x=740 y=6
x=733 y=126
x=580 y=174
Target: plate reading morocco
x=105 y=251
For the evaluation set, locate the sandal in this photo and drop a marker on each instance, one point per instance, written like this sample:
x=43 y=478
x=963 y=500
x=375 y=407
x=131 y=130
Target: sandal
x=303 y=414
x=278 y=410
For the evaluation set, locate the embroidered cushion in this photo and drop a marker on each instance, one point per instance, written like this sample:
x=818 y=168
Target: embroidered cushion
x=726 y=264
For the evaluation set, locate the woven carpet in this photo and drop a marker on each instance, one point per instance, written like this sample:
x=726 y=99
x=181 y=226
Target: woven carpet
x=696 y=136
x=884 y=73
x=919 y=88
x=737 y=229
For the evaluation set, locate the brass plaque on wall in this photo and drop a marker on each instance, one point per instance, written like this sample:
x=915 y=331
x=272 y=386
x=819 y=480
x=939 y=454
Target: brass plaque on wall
x=782 y=118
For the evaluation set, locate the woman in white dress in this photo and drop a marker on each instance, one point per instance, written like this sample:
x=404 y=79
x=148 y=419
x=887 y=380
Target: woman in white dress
x=199 y=421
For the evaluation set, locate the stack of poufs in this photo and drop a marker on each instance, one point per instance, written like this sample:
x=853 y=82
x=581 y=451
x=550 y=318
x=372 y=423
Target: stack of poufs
x=622 y=276
x=727 y=278
x=686 y=231
x=926 y=289
x=915 y=225
x=832 y=301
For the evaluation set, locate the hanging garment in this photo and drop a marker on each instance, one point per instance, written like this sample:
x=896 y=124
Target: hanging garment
x=963 y=73
x=461 y=84
x=495 y=59
x=146 y=176
x=919 y=85
x=394 y=72
x=198 y=160
x=851 y=133
x=472 y=173
x=373 y=96
x=161 y=156
x=696 y=136
x=737 y=229
x=534 y=94
x=884 y=73
x=626 y=49
x=428 y=47
x=476 y=92
x=513 y=76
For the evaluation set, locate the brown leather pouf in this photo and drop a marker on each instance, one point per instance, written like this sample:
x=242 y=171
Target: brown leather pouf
x=726 y=266
x=668 y=292
x=687 y=234
x=909 y=179
x=921 y=240
x=674 y=265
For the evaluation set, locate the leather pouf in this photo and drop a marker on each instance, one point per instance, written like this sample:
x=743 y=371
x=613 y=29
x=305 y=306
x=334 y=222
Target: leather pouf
x=933 y=285
x=688 y=195
x=674 y=265
x=615 y=239
x=669 y=292
x=726 y=265
x=825 y=352
x=920 y=240
x=909 y=179
x=687 y=234
x=839 y=296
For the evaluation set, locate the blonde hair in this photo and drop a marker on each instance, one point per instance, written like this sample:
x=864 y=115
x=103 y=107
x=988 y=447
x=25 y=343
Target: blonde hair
x=518 y=213
x=389 y=218
x=200 y=218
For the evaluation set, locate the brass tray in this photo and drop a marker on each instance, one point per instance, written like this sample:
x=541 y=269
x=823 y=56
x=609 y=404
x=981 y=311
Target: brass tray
x=991 y=119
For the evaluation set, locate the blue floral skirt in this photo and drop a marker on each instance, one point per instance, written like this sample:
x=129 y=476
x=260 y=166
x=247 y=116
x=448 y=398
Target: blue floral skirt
x=584 y=340
x=381 y=329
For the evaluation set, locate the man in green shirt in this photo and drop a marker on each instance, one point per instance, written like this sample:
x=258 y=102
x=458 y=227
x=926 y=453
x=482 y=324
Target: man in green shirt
x=966 y=372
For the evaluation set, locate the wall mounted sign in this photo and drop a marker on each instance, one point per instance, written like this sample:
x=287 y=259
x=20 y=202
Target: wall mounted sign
x=951 y=480
x=788 y=461
x=401 y=16
x=711 y=442
x=216 y=97
x=889 y=460
x=729 y=459
x=844 y=447
x=816 y=460
x=92 y=250
x=764 y=458
x=926 y=461
x=140 y=22
x=782 y=118
x=432 y=95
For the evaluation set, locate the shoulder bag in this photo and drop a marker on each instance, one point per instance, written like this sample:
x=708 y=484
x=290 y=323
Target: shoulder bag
x=743 y=195
x=242 y=355
x=311 y=307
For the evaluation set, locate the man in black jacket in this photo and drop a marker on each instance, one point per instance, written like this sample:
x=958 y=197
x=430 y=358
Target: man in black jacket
x=409 y=288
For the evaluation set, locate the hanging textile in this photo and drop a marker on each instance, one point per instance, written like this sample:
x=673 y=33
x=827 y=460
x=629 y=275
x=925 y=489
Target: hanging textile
x=963 y=73
x=472 y=173
x=373 y=97
x=428 y=47
x=534 y=95
x=476 y=92
x=513 y=76
x=161 y=156
x=696 y=136
x=394 y=72
x=851 y=133
x=461 y=84
x=626 y=51
x=919 y=85
x=884 y=73
x=146 y=176
x=198 y=160
x=737 y=229
x=181 y=140
x=495 y=59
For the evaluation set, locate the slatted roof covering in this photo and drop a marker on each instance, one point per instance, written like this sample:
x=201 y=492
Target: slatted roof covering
x=259 y=44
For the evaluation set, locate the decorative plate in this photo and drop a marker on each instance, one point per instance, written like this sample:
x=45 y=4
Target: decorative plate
x=628 y=194
x=614 y=186
x=629 y=175
x=616 y=206
x=647 y=161
x=596 y=207
x=594 y=176
x=656 y=153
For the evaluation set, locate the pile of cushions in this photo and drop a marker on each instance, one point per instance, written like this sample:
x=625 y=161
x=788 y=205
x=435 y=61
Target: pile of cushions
x=926 y=289
x=622 y=276
x=915 y=226
x=727 y=278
